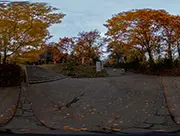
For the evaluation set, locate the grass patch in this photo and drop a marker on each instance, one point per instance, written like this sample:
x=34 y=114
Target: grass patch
x=76 y=71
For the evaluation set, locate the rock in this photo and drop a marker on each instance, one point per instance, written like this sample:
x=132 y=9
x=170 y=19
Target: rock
x=145 y=126
x=26 y=106
x=163 y=112
x=135 y=130
x=169 y=121
x=27 y=114
x=160 y=127
x=156 y=120
x=18 y=112
x=173 y=129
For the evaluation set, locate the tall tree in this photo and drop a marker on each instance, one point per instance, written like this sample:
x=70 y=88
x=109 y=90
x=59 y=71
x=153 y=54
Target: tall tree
x=62 y=48
x=140 y=29
x=25 y=25
x=88 y=46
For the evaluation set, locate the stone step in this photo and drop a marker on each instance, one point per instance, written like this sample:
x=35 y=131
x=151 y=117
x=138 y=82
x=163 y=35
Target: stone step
x=39 y=75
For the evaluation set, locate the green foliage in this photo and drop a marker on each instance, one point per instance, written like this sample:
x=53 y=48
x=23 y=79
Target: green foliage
x=69 y=66
x=80 y=71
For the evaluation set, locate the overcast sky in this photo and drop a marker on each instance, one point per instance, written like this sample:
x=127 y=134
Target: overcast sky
x=85 y=15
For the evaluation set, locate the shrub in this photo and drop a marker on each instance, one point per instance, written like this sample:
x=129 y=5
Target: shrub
x=10 y=75
x=84 y=70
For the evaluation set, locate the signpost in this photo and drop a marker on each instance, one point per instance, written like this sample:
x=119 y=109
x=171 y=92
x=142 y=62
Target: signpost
x=98 y=66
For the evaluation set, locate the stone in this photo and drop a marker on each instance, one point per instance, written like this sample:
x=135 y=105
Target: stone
x=18 y=112
x=173 y=129
x=26 y=106
x=32 y=119
x=160 y=127
x=27 y=114
x=145 y=125
x=156 y=120
x=169 y=121
x=22 y=99
x=163 y=112
x=135 y=130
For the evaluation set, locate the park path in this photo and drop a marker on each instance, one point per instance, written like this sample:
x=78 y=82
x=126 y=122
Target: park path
x=122 y=102
x=172 y=93
x=9 y=97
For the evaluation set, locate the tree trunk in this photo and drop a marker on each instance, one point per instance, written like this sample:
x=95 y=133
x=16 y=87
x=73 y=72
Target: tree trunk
x=151 y=60
x=82 y=60
x=169 y=52
x=170 y=58
x=0 y=58
x=159 y=52
x=178 y=48
x=4 y=59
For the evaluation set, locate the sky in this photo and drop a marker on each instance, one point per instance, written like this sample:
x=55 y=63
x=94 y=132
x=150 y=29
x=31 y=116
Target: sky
x=86 y=15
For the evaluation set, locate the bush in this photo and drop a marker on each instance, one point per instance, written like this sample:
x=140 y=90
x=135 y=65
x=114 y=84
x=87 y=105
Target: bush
x=10 y=75
x=84 y=70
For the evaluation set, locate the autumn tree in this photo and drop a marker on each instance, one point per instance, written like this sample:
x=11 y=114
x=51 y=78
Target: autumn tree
x=47 y=54
x=25 y=25
x=170 y=26
x=143 y=30
x=63 y=48
x=88 y=46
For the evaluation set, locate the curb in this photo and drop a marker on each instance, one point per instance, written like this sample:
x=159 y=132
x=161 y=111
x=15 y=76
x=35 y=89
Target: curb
x=5 y=122
x=42 y=81
x=168 y=107
x=27 y=78
x=45 y=81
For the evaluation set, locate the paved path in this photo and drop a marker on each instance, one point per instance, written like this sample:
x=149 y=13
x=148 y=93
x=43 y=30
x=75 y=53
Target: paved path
x=37 y=74
x=9 y=98
x=172 y=92
x=122 y=103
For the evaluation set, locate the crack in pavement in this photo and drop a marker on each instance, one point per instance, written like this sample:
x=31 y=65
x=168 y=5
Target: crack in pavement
x=68 y=105
x=24 y=111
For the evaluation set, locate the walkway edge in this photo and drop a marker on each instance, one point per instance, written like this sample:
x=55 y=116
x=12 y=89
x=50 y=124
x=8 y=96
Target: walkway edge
x=26 y=74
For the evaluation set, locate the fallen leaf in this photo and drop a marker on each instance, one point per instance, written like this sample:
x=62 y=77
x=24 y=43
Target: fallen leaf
x=92 y=112
x=116 y=129
x=13 y=106
x=115 y=124
x=66 y=127
x=92 y=106
x=118 y=116
x=42 y=121
x=76 y=129
x=100 y=113
x=84 y=129
x=106 y=128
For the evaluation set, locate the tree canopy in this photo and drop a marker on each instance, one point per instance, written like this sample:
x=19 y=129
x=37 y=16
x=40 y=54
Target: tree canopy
x=143 y=31
x=24 y=26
